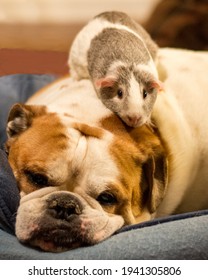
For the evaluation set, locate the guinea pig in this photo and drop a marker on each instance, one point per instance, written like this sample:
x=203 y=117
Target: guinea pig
x=118 y=55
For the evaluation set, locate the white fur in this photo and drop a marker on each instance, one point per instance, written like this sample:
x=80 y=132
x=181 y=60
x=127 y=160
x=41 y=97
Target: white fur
x=78 y=53
x=113 y=67
x=181 y=115
x=149 y=68
x=135 y=102
x=56 y=95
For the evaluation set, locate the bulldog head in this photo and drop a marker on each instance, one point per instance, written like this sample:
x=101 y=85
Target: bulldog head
x=81 y=183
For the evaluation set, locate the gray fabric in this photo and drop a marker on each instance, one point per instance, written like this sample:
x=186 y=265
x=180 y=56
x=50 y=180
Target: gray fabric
x=17 y=88
x=180 y=239
x=9 y=195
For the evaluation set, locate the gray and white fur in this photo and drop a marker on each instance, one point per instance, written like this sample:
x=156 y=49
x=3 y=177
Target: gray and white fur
x=118 y=55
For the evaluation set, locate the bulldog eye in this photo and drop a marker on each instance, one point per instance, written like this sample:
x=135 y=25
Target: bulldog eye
x=37 y=179
x=106 y=198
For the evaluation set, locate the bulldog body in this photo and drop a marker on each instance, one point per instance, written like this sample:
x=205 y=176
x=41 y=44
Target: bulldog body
x=83 y=173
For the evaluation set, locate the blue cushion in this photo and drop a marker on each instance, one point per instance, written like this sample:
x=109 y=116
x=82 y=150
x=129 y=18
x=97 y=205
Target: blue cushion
x=17 y=88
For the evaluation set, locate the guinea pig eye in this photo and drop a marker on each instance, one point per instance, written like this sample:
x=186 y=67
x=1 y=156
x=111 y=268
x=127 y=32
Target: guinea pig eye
x=120 y=93
x=37 y=179
x=144 y=93
x=106 y=199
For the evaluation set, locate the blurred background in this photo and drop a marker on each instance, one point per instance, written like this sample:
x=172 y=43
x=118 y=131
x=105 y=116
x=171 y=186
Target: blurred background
x=51 y=25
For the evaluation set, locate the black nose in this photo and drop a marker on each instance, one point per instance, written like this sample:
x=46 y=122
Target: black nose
x=64 y=206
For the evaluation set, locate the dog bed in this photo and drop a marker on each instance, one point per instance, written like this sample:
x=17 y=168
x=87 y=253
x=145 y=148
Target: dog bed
x=176 y=237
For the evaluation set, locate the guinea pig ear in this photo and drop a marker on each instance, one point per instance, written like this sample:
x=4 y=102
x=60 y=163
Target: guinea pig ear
x=154 y=181
x=156 y=84
x=108 y=81
x=20 y=118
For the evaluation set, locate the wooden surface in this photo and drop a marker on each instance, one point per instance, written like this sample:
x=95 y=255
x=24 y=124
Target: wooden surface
x=36 y=37
x=35 y=49
x=16 y=61
x=55 y=37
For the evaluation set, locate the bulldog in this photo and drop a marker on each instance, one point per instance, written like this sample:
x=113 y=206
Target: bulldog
x=83 y=173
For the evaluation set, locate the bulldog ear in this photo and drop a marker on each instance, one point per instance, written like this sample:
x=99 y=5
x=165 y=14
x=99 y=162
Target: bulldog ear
x=154 y=177
x=154 y=180
x=20 y=118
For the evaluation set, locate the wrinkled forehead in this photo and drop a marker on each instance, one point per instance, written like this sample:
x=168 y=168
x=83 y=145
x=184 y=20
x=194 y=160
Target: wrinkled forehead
x=46 y=137
x=92 y=151
x=55 y=139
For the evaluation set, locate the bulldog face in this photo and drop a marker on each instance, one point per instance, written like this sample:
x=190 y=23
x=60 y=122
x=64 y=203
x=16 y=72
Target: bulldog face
x=79 y=184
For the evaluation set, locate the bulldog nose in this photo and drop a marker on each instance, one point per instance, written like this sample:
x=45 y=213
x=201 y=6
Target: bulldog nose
x=63 y=206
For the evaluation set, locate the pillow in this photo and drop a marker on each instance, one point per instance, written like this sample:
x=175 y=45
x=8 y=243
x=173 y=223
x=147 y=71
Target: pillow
x=18 y=88
x=9 y=195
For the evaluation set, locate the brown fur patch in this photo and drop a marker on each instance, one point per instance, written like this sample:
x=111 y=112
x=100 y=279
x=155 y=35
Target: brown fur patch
x=88 y=130
x=131 y=148
x=37 y=144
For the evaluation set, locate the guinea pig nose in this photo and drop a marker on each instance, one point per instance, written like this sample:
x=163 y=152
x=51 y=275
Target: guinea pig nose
x=64 y=206
x=133 y=120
